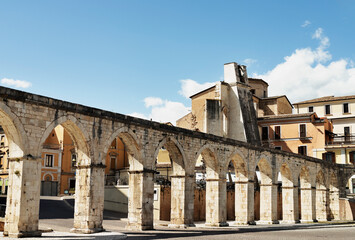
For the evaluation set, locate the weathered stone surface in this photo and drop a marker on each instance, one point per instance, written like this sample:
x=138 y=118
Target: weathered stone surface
x=28 y=119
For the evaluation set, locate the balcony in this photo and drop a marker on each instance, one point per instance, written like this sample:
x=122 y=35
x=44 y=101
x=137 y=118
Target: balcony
x=341 y=140
x=52 y=146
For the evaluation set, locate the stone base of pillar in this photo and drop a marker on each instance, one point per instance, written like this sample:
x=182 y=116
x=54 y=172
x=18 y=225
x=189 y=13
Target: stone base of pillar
x=173 y=225
x=138 y=227
x=224 y=224
x=86 y=230
x=240 y=223
x=263 y=222
x=289 y=221
x=322 y=220
x=23 y=234
x=308 y=221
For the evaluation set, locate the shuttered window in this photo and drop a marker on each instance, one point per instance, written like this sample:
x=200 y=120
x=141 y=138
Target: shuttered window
x=303 y=130
x=277 y=132
x=329 y=156
x=302 y=150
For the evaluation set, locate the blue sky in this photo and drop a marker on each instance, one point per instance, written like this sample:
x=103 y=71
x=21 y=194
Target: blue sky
x=145 y=57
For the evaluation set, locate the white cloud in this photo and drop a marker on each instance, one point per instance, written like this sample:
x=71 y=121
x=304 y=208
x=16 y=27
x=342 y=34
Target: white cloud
x=249 y=61
x=190 y=87
x=138 y=115
x=152 y=101
x=163 y=110
x=306 y=23
x=308 y=73
x=15 y=83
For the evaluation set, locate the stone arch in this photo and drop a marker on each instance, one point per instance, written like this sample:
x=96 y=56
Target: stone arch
x=130 y=140
x=320 y=181
x=210 y=160
x=265 y=170
x=240 y=166
x=45 y=177
x=305 y=178
x=286 y=175
x=176 y=153
x=15 y=132
x=77 y=133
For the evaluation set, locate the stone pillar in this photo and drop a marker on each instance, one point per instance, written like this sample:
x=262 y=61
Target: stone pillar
x=290 y=211
x=140 y=200
x=89 y=198
x=308 y=205
x=321 y=204
x=182 y=201
x=244 y=203
x=216 y=202
x=334 y=205
x=268 y=204
x=22 y=208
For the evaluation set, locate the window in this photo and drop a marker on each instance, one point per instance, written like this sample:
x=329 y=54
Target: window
x=352 y=157
x=265 y=133
x=302 y=150
x=346 y=108
x=303 y=130
x=49 y=160
x=265 y=94
x=113 y=163
x=327 y=109
x=278 y=147
x=114 y=144
x=310 y=109
x=252 y=91
x=347 y=134
x=73 y=159
x=277 y=132
x=329 y=156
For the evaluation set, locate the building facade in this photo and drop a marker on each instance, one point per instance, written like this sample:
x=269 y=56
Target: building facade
x=304 y=133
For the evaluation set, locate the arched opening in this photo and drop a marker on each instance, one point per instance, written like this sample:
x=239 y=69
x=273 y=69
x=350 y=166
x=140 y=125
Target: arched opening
x=126 y=182
x=182 y=186
x=307 y=206
x=243 y=189
x=59 y=158
x=268 y=193
x=322 y=197
x=289 y=200
x=213 y=186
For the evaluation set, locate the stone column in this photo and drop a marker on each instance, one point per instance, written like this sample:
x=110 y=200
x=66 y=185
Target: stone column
x=268 y=204
x=334 y=205
x=290 y=211
x=140 y=200
x=22 y=208
x=216 y=202
x=89 y=198
x=308 y=205
x=182 y=201
x=244 y=203
x=321 y=204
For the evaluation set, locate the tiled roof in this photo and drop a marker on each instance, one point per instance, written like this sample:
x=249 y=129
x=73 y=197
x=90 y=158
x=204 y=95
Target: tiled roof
x=258 y=80
x=326 y=99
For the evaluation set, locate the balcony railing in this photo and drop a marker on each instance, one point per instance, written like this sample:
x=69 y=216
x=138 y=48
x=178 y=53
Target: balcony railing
x=341 y=140
x=51 y=146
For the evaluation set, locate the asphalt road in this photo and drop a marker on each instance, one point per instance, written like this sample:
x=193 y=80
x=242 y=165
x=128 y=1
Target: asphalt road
x=58 y=215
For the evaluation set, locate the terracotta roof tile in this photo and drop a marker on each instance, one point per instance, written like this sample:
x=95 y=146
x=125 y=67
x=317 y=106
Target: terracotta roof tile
x=326 y=99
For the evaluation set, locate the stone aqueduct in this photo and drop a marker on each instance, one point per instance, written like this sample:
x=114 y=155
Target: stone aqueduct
x=28 y=119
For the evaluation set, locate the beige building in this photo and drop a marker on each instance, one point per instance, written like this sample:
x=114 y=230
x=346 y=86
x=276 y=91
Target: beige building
x=341 y=112
x=225 y=109
x=303 y=133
